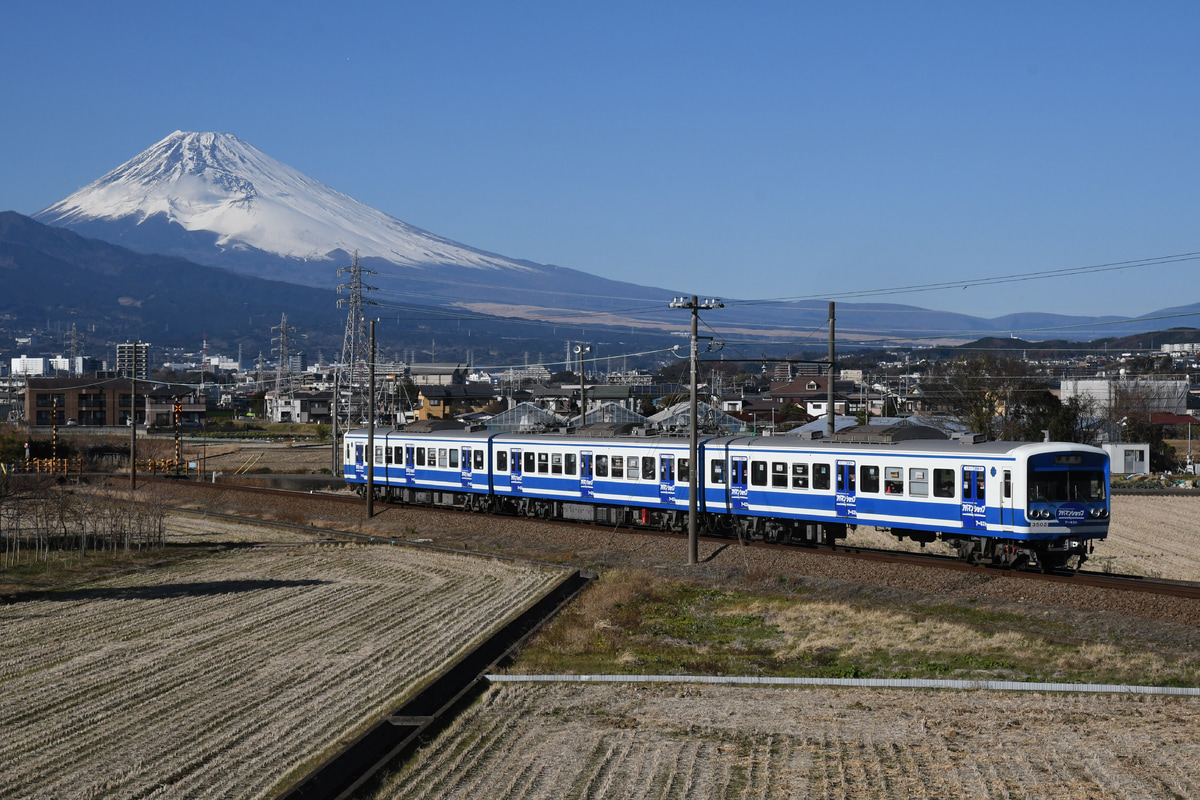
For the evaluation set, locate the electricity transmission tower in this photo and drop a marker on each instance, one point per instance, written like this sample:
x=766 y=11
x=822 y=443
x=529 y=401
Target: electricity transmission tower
x=354 y=400
x=283 y=377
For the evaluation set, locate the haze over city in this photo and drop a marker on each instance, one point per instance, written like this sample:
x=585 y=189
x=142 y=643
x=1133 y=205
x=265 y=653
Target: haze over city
x=766 y=151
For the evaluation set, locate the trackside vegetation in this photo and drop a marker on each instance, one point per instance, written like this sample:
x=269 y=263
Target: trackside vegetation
x=630 y=622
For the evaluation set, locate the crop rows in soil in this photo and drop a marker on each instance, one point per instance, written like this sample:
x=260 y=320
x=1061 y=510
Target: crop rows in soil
x=220 y=676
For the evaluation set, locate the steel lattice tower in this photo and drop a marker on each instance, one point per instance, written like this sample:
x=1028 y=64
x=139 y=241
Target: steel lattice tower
x=352 y=370
x=283 y=377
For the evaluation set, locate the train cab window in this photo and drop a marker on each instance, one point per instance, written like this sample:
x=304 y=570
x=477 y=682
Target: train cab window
x=779 y=474
x=893 y=480
x=799 y=476
x=501 y=460
x=570 y=463
x=556 y=463
x=1007 y=484
x=820 y=476
x=530 y=462
x=943 y=483
x=443 y=457
x=454 y=457
x=758 y=473
x=648 y=468
x=477 y=459
x=349 y=452
x=618 y=467
x=601 y=466
x=420 y=456
x=717 y=473
x=918 y=482
x=685 y=472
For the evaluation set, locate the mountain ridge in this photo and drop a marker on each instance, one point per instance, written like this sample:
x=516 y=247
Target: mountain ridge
x=216 y=200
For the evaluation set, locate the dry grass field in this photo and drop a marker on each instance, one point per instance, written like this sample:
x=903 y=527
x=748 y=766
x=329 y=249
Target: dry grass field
x=229 y=674
x=538 y=742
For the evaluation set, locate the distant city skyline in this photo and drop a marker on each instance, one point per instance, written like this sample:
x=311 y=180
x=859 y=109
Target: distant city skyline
x=770 y=150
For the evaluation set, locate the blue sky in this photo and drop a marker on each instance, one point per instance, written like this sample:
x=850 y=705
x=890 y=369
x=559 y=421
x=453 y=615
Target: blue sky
x=765 y=150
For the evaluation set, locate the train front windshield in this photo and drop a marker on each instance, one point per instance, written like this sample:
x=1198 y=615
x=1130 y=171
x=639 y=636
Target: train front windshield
x=1067 y=486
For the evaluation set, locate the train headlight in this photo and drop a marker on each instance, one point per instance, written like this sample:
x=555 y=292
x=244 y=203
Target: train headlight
x=1073 y=544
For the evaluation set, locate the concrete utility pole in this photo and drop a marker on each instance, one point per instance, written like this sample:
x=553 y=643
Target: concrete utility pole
x=133 y=422
x=694 y=305
x=830 y=428
x=371 y=426
x=581 y=351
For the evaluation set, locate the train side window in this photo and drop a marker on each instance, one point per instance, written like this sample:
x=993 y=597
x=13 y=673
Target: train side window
x=820 y=476
x=943 y=483
x=779 y=474
x=556 y=463
x=980 y=484
x=477 y=459
x=618 y=466
x=717 y=473
x=685 y=472
x=648 y=468
x=420 y=456
x=758 y=473
x=387 y=455
x=601 y=466
x=398 y=458
x=893 y=480
x=869 y=479
x=799 y=476
x=501 y=460
x=443 y=457
x=530 y=462
x=454 y=457
x=571 y=463
x=918 y=482
x=378 y=454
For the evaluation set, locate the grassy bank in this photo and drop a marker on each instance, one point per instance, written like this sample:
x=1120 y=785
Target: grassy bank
x=633 y=623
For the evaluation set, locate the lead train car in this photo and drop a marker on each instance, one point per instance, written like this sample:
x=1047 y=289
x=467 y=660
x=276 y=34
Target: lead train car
x=1005 y=503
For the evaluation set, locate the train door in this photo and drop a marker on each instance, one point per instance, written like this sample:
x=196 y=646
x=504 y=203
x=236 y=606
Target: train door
x=845 y=499
x=359 y=469
x=974 y=499
x=586 y=486
x=515 y=474
x=410 y=464
x=739 y=484
x=1007 y=519
x=465 y=467
x=666 y=479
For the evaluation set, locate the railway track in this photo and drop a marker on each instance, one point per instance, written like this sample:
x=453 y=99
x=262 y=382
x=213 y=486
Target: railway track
x=1081 y=578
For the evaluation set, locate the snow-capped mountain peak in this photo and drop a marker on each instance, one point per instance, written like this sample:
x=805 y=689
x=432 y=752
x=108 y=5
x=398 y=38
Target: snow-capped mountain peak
x=215 y=183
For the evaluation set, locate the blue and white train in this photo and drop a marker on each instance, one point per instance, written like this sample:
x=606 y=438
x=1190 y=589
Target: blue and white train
x=1011 y=504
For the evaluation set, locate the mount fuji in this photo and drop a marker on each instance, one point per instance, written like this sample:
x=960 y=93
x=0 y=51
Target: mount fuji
x=215 y=200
